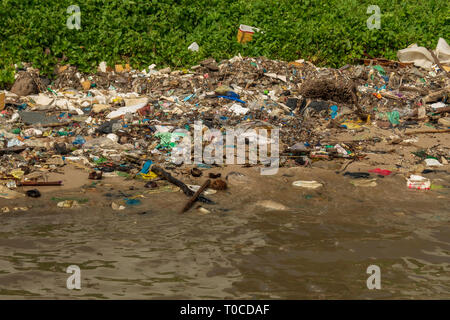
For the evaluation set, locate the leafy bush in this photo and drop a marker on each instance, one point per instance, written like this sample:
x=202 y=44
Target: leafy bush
x=142 y=32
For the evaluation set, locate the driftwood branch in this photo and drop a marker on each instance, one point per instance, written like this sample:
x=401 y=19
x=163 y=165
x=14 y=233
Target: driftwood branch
x=359 y=110
x=436 y=95
x=39 y=183
x=195 y=196
x=422 y=91
x=442 y=110
x=166 y=175
x=16 y=149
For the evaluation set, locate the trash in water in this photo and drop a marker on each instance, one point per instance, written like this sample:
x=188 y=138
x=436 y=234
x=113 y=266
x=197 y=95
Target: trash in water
x=418 y=182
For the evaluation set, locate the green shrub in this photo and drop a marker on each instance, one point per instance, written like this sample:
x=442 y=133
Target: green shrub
x=142 y=32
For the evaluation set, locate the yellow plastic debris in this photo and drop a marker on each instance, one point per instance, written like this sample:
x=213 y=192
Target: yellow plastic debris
x=351 y=124
x=18 y=174
x=149 y=176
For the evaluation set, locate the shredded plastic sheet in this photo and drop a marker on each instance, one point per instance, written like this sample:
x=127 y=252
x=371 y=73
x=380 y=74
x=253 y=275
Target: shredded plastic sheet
x=421 y=57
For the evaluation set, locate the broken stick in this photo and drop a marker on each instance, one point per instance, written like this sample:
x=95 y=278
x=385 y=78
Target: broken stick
x=196 y=195
x=436 y=60
x=359 y=110
x=164 y=174
x=442 y=110
x=345 y=165
x=436 y=95
x=15 y=149
x=39 y=183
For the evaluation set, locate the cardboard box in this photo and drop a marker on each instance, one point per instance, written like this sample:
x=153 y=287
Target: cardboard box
x=2 y=101
x=245 y=33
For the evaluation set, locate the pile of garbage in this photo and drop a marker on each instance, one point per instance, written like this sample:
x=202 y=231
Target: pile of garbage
x=122 y=121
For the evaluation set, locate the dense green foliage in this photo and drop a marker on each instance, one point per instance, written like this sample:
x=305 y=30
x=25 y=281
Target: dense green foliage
x=143 y=32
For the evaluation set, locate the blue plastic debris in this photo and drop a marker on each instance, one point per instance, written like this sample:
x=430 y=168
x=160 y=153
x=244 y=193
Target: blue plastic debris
x=189 y=97
x=334 y=110
x=146 y=167
x=132 y=202
x=21 y=107
x=205 y=166
x=230 y=95
x=79 y=140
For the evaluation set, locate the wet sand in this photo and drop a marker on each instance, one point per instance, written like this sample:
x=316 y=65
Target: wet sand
x=264 y=238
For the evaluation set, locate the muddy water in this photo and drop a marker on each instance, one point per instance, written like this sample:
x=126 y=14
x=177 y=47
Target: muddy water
x=318 y=246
